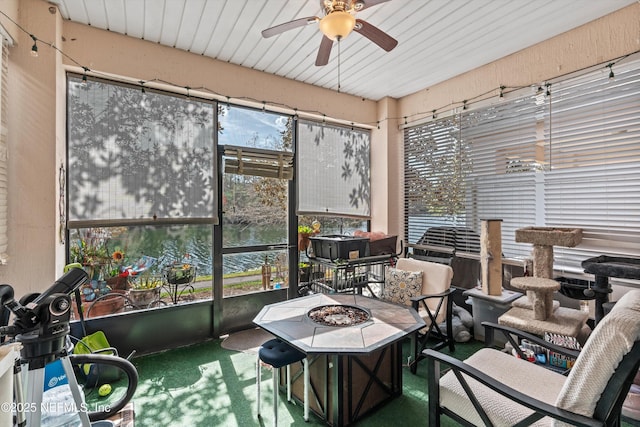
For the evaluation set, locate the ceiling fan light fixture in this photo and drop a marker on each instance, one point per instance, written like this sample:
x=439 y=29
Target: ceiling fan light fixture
x=337 y=25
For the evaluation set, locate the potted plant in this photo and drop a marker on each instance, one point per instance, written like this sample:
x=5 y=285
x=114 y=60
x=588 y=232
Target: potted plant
x=91 y=251
x=304 y=232
x=145 y=289
x=304 y=271
x=117 y=273
x=180 y=273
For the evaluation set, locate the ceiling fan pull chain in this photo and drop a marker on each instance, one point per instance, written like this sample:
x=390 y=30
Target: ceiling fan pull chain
x=339 y=64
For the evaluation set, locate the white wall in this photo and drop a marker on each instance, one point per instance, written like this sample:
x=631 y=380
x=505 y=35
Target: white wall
x=33 y=151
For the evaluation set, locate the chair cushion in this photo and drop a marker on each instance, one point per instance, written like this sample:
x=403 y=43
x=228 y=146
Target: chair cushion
x=278 y=353
x=436 y=278
x=612 y=338
x=526 y=377
x=401 y=285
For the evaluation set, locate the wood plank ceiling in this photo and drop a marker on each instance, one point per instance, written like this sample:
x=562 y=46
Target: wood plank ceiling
x=438 y=39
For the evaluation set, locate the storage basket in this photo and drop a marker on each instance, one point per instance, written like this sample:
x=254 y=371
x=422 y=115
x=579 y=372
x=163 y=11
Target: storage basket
x=339 y=247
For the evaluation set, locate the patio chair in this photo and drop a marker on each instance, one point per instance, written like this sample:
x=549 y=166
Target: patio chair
x=494 y=388
x=431 y=297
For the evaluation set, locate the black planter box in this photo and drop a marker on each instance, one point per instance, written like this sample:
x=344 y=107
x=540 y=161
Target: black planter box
x=339 y=247
x=384 y=246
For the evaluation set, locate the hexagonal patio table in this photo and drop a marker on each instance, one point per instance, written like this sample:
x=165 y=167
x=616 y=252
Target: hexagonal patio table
x=354 y=369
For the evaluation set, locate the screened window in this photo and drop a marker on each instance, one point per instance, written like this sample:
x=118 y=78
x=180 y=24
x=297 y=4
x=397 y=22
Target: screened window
x=141 y=194
x=570 y=158
x=257 y=155
x=137 y=155
x=333 y=167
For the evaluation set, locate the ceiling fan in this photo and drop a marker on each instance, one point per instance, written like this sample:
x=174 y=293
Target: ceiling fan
x=337 y=23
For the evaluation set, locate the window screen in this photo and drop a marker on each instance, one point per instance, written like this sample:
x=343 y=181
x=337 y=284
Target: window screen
x=137 y=155
x=333 y=170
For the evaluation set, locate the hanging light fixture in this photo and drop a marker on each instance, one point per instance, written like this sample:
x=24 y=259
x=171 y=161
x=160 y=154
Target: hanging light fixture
x=34 y=48
x=611 y=75
x=337 y=25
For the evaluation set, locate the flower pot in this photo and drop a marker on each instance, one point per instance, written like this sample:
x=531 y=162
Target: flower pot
x=142 y=298
x=110 y=303
x=180 y=275
x=303 y=241
x=118 y=283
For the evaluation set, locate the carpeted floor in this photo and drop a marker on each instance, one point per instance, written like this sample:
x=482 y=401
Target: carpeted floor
x=213 y=384
x=208 y=385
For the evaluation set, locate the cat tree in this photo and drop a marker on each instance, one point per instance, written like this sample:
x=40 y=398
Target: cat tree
x=537 y=312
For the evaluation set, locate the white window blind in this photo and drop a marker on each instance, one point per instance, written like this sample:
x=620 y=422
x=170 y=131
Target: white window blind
x=570 y=158
x=4 y=184
x=502 y=143
x=333 y=170
x=435 y=169
x=594 y=179
x=477 y=165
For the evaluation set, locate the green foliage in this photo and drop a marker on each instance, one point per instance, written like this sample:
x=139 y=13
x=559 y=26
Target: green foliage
x=180 y=273
x=90 y=247
x=146 y=281
x=305 y=229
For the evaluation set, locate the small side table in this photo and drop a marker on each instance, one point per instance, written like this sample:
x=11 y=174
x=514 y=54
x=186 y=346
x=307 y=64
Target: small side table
x=487 y=308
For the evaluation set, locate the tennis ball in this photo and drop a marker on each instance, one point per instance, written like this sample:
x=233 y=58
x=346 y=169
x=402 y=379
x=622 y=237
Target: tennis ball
x=104 y=390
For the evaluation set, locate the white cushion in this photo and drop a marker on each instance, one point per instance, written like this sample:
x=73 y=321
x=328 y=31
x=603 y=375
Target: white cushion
x=533 y=380
x=612 y=338
x=400 y=285
x=436 y=278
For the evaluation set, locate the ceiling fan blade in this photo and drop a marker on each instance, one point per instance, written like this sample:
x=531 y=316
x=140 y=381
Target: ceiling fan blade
x=278 y=29
x=324 y=52
x=376 y=35
x=363 y=4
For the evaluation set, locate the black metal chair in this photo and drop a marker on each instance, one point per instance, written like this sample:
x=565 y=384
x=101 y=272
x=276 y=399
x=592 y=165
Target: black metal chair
x=494 y=388
x=433 y=302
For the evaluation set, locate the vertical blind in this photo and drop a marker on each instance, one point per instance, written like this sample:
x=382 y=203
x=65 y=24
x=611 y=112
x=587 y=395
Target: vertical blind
x=567 y=158
x=333 y=170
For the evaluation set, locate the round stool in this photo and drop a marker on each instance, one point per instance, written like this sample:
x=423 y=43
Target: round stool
x=278 y=354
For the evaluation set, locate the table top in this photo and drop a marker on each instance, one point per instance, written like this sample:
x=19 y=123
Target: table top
x=289 y=321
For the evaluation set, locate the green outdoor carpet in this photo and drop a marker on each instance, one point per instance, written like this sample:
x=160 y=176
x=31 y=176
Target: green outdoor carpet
x=205 y=385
